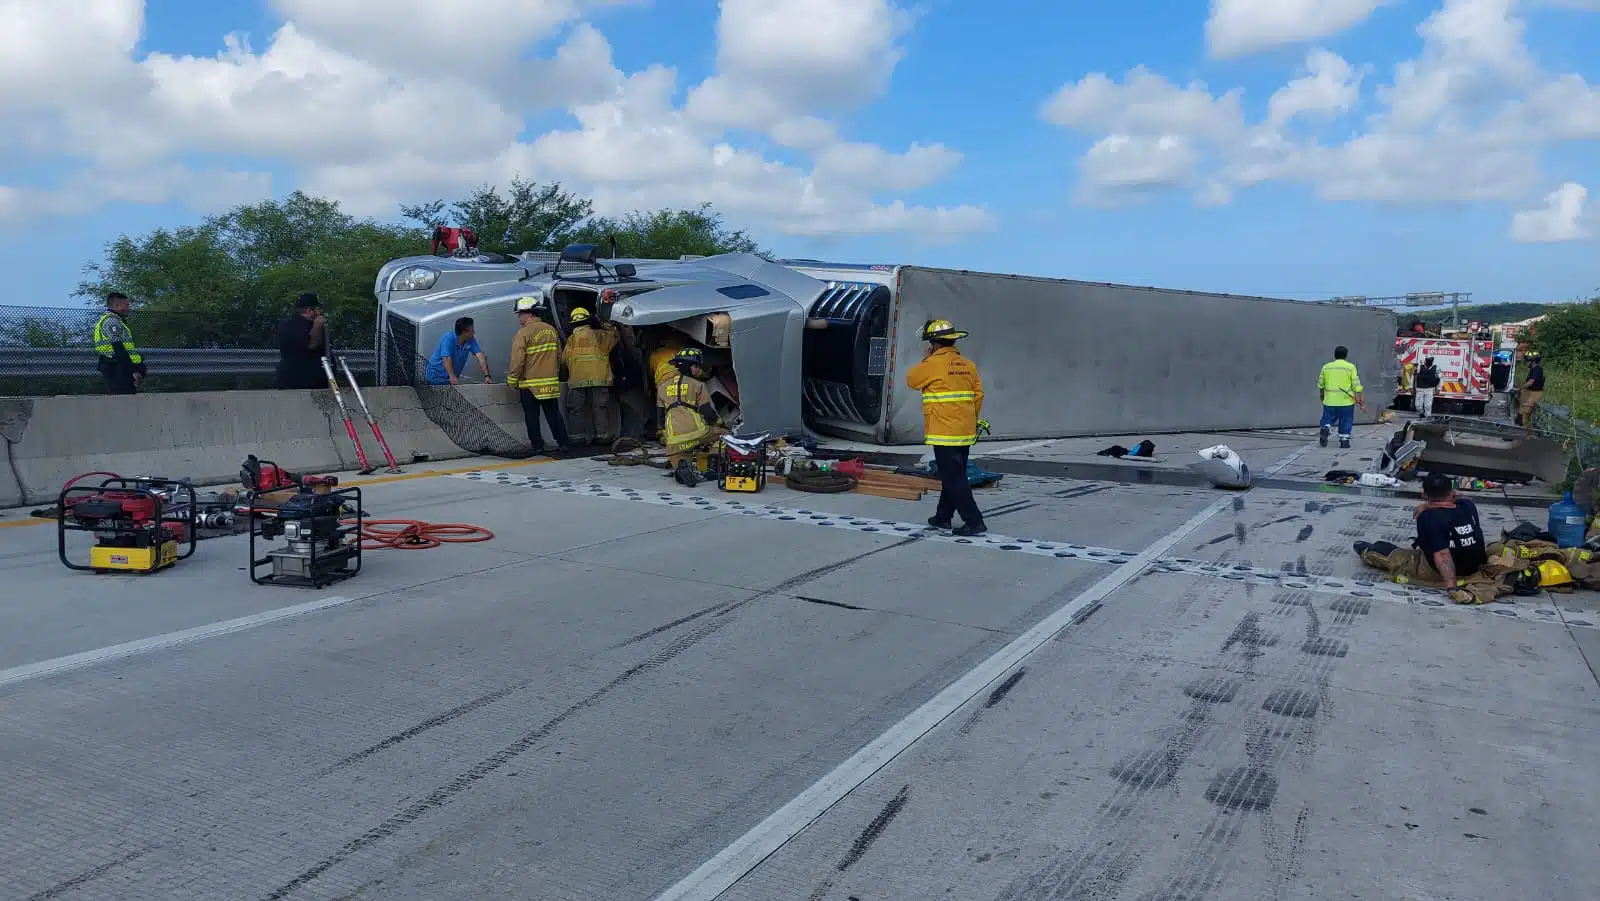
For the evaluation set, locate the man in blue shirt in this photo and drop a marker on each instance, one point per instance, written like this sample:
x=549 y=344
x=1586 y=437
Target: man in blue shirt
x=450 y=357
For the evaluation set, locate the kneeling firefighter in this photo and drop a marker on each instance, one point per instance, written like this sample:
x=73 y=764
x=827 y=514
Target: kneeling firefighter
x=688 y=419
x=952 y=398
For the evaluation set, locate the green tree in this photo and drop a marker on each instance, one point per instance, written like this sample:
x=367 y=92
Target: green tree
x=1570 y=336
x=527 y=217
x=228 y=280
x=667 y=234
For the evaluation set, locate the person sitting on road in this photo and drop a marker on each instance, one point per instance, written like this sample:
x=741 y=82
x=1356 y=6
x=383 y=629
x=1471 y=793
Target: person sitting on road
x=1449 y=548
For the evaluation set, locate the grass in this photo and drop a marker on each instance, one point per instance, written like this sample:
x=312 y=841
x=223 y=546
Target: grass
x=1576 y=387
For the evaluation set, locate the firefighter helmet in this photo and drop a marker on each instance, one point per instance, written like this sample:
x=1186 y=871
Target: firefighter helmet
x=529 y=305
x=580 y=315
x=941 y=330
x=689 y=355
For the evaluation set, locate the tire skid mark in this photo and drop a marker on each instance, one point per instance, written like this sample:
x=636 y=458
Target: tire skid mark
x=865 y=840
x=1115 y=838
x=87 y=876
x=444 y=794
x=1253 y=787
x=995 y=697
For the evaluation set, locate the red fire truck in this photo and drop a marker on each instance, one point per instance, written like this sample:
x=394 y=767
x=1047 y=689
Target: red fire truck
x=1463 y=363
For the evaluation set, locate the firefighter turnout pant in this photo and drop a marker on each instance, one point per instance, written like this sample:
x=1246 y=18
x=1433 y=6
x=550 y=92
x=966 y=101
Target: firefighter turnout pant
x=531 y=406
x=589 y=414
x=955 y=491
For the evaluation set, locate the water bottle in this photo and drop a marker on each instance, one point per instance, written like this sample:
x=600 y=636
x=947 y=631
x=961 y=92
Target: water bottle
x=1567 y=522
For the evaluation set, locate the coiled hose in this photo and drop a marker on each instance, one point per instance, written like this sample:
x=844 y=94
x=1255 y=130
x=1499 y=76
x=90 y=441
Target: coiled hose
x=819 y=481
x=416 y=535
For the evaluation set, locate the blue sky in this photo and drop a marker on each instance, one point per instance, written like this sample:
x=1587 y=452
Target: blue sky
x=1468 y=171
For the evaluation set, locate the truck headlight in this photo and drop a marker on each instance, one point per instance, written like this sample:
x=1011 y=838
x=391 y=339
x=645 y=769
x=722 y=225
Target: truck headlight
x=414 y=278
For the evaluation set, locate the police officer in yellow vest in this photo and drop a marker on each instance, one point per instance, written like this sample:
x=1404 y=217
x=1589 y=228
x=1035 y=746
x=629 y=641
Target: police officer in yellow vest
x=588 y=359
x=683 y=407
x=121 y=365
x=535 y=373
x=952 y=398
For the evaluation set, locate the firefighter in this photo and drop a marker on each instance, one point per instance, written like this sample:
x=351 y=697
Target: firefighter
x=121 y=365
x=534 y=372
x=688 y=419
x=952 y=399
x=1532 y=390
x=588 y=360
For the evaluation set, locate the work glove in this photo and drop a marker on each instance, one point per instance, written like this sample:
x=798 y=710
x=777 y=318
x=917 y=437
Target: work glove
x=1462 y=596
x=983 y=427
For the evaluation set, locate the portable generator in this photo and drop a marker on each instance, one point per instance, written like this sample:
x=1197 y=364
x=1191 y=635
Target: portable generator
x=140 y=525
x=743 y=464
x=321 y=530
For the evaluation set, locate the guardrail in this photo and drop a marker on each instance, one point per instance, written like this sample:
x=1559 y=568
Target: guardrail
x=43 y=362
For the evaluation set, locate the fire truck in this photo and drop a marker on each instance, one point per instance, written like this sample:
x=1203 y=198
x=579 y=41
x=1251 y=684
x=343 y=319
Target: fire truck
x=1464 y=370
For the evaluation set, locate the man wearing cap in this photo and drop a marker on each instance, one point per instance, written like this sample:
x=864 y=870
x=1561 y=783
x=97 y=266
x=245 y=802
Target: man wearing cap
x=952 y=399
x=302 y=342
x=121 y=365
x=535 y=373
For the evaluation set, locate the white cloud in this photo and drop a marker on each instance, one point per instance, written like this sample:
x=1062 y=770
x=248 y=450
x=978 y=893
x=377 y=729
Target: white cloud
x=1238 y=27
x=1466 y=120
x=1560 y=219
x=377 y=101
x=779 y=57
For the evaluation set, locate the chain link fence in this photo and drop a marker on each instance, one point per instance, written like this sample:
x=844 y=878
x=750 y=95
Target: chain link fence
x=1581 y=438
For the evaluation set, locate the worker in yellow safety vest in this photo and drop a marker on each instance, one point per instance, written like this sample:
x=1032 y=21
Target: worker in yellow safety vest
x=952 y=399
x=121 y=365
x=1339 y=387
x=688 y=419
x=534 y=372
x=588 y=359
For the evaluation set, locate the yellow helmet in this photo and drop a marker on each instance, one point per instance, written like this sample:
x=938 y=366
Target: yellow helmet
x=1554 y=574
x=580 y=315
x=941 y=330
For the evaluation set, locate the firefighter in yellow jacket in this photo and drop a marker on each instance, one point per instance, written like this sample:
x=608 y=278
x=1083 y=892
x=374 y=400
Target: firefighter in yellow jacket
x=952 y=399
x=588 y=359
x=535 y=373
x=683 y=407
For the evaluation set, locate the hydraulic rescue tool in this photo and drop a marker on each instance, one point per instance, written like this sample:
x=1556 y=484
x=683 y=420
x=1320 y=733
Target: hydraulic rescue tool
x=321 y=529
x=371 y=420
x=743 y=466
x=141 y=525
x=349 y=424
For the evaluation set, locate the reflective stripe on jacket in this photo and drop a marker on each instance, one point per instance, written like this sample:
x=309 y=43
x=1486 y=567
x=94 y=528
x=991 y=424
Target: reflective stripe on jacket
x=588 y=357
x=952 y=397
x=106 y=335
x=1339 y=384
x=682 y=398
x=535 y=361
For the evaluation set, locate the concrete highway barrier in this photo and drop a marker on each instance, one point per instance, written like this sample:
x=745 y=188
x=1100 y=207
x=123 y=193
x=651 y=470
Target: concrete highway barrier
x=202 y=436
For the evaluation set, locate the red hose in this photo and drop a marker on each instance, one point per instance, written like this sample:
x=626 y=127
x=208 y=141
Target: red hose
x=416 y=535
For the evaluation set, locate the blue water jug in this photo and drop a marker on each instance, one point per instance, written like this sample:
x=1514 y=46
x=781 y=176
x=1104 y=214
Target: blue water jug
x=1566 y=522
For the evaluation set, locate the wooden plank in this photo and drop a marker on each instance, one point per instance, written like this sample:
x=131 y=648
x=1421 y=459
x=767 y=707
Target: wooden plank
x=888 y=491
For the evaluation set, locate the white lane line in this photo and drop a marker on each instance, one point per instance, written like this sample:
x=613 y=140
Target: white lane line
x=1011 y=450
x=161 y=642
x=722 y=871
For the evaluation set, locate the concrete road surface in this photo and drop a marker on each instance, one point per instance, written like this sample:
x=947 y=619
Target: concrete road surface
x=1128 y=690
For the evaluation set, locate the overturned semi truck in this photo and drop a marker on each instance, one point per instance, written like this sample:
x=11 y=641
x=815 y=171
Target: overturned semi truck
x=810 y=344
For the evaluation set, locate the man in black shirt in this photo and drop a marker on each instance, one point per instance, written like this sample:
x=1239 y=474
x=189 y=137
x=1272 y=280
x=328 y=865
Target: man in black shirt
x=302 y=336
x=1532 y=389
x=1427 y=384
x=1449 y=547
